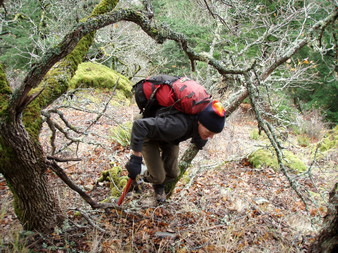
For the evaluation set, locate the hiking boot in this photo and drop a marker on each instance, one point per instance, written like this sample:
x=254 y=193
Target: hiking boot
x=160 y=195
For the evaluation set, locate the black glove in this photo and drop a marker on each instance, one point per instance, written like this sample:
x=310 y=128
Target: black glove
x=134 y=166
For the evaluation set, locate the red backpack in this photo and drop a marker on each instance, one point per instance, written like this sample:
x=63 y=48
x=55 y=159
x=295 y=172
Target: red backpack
x=182 y=93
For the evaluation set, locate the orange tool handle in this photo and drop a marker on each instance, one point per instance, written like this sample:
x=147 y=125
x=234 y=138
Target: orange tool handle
x=125 y=191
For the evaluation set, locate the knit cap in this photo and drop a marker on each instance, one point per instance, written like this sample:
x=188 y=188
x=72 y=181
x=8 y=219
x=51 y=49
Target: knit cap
x=213 y=117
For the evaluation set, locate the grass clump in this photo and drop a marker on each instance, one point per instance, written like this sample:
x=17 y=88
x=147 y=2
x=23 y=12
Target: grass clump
x=310 y=124
x=303 y=140
x=122 y=134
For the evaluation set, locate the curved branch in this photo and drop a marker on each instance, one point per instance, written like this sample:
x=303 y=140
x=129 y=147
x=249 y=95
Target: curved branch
x=39 y=70
x=61 y=174
x=158 y=33
x=55 y=54
x=270 y=132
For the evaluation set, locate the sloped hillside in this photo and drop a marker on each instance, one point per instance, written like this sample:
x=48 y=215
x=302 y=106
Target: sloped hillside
x=223 y=204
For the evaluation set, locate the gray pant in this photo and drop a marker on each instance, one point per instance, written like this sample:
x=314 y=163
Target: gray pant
x=161 y=159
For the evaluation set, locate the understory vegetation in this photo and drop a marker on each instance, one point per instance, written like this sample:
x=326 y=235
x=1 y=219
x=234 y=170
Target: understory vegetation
x=224 y=203
x=267 y=183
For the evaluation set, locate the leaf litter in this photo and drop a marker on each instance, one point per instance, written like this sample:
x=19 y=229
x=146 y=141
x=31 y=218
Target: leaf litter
x=228 y=206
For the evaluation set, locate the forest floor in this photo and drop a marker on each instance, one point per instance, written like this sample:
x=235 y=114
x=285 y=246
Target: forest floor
x=224 y=204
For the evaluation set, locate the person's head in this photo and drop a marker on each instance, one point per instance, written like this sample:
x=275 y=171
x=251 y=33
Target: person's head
x=211 y=120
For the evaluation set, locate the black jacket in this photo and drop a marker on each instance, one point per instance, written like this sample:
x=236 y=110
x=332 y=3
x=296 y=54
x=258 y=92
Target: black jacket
x=172 y=128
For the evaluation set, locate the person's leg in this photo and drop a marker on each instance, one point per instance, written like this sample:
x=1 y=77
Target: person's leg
x=170 y=154
x=156 y=173
x=152 y=156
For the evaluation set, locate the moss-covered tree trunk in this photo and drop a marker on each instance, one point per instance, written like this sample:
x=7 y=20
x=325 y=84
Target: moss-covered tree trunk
x=24 y=170
x=22 y=161
x=23 y=165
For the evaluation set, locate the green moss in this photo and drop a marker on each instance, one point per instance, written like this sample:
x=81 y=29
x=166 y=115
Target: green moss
x=328 y=145
x=104 y=6
x=186 y=177
x=330 y=141
x=5 y=92
x=117 y=181
x=254 y=135
x=294 y=163
x=267 y=158
x=97 y=75
x=6 y=156
x=56 y=81
x=263 y=157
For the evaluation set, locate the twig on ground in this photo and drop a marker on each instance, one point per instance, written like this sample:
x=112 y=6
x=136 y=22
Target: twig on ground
x=59 y=171
x=91 y=222
x=59 y=159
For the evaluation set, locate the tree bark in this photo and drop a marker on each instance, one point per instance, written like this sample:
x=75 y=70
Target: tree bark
x=327 y=240
x=34 y=203
x=184 y=164
x=22 y=161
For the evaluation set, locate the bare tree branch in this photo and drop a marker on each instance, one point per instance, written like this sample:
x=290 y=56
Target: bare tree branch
x=299 y=44
x=270 y=132
x=53 y=55
x=192 y=151
x=59 y=159
x=59 y=171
